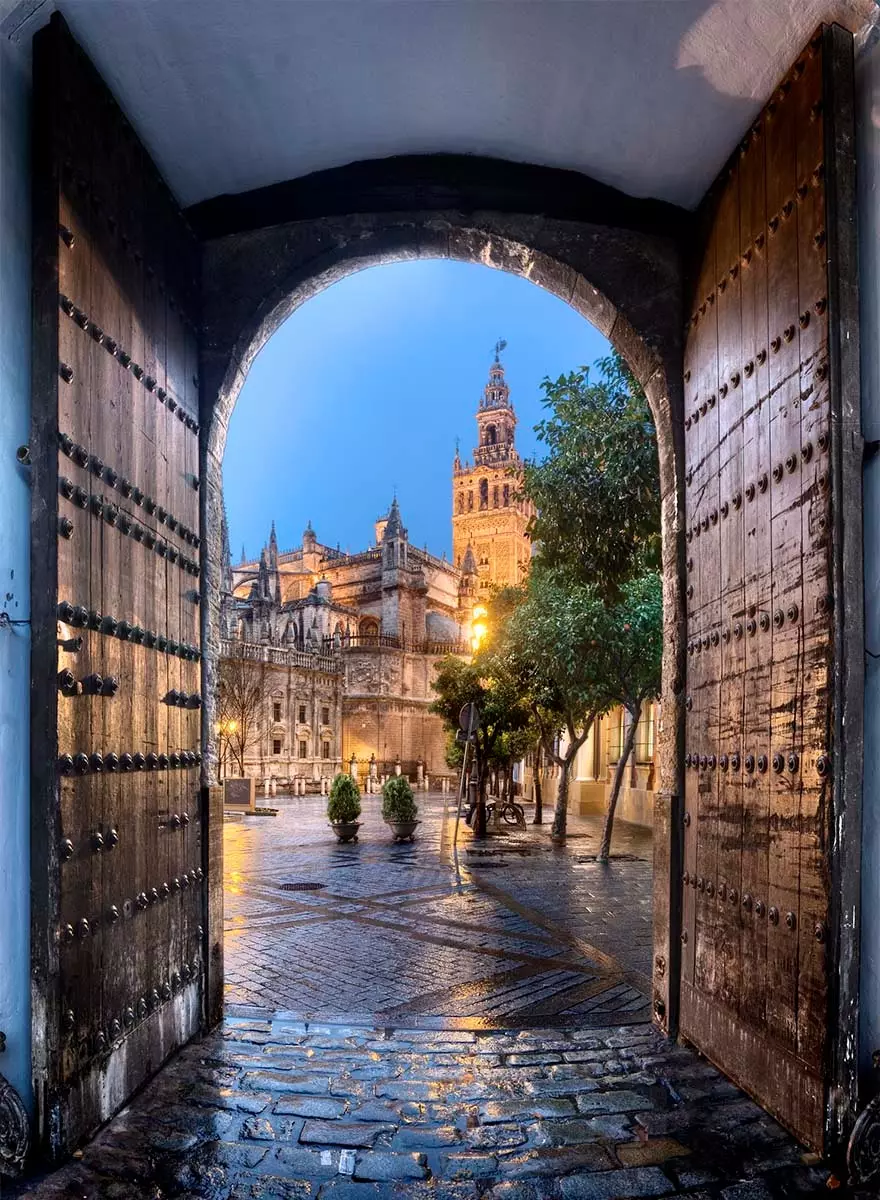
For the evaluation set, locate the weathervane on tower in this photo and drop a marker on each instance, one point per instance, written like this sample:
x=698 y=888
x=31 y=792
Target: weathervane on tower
x=500 y=345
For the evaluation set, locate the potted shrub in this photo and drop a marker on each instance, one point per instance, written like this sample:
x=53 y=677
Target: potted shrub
x=399 y=808
x=344 y=808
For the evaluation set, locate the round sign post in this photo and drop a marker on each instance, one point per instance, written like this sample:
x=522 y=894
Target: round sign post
x=469 y=719
x=468 y=724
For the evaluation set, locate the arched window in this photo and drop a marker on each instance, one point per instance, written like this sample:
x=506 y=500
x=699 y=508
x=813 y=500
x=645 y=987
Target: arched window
x=491 y=435
x=484 y=493
x=506 y=494
x=470 y=501
x=461 y=502
x=369 y=631
x=495 y=496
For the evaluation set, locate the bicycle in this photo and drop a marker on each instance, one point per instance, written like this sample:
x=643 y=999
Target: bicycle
x=510 y=813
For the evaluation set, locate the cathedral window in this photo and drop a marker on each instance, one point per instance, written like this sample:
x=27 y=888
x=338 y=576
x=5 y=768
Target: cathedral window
x=491 y=435
x=461 y=502
x=326 y=750
x=276 y=711
x=302 y=714
x=495 y=496
x=484 y=493
x=325 y=718
x=276 y=745
x=506 y=494
x=303 y=749
x=470 y=501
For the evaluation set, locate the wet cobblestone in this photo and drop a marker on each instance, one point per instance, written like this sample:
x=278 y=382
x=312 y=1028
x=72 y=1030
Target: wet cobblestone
x=437 y=1122
x=473 y=1066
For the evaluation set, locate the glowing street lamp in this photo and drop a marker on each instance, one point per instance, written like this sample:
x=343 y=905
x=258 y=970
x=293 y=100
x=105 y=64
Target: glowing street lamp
x=479 y=628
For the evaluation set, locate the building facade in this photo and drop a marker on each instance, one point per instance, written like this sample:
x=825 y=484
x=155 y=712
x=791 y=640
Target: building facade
x=348 y=645
x=344 y=647
x=488 y=514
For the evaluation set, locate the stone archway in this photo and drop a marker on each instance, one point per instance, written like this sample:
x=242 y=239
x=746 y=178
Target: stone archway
x=625 y=281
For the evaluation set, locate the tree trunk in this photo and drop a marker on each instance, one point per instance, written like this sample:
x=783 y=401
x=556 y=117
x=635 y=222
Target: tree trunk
x=539 y=791
x=560 y=817
x=629 y=742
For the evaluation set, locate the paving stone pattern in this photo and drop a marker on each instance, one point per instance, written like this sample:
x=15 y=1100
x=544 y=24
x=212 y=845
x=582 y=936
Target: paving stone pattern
x=278 y=1109
x=513 y=932
x=415 y=1029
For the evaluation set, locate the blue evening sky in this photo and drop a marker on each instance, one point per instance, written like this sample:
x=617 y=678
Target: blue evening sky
x=365 y=388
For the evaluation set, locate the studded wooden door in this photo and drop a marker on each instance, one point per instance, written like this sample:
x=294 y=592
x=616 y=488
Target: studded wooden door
x=117 y=831
x=774 y=633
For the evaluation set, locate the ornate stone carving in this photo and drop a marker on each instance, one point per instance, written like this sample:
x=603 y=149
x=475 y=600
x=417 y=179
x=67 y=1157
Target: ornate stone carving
x=14 y=1130
x=863 y=1152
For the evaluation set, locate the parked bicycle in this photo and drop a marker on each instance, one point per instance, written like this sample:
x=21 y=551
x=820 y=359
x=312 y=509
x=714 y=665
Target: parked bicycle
x=510 y=812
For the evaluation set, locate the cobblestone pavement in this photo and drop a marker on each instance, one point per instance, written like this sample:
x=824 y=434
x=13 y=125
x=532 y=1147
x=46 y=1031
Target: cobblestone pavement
x=472 y=1061
x=275 y=1109
x=513 y=932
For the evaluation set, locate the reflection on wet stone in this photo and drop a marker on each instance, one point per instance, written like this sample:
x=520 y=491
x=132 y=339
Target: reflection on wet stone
x=412 y=1032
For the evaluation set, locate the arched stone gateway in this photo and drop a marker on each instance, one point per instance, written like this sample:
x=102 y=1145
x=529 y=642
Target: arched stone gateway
x=643 y=273
x=624 y=280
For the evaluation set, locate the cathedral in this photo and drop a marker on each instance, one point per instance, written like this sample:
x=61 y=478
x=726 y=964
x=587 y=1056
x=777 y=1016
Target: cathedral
x=346 y=645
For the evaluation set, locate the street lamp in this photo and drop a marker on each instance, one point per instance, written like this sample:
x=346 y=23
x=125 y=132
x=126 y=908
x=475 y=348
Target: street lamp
x=478 y=629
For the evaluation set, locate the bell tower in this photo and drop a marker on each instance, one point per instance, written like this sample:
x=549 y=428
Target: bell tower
x=487 y=514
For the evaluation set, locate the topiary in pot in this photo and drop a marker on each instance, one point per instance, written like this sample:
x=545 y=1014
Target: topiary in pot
x=344 y=808
x=399 y=808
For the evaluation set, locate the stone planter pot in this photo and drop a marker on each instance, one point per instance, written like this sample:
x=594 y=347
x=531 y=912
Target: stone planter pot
x=403 y=831
x=346 y=831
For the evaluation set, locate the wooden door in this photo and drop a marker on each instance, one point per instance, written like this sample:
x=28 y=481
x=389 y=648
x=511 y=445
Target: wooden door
x=118 y=873
x=773 y=723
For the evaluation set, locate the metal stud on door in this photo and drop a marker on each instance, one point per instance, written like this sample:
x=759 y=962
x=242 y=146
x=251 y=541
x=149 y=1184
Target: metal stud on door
x=757 y=978
x=116 y=277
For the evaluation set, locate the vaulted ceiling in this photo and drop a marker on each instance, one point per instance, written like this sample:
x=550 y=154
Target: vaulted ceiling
x=647 y=95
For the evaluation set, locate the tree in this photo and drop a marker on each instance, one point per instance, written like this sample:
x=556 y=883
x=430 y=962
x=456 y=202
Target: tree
x=501 y=709
x=594 y=582
x=597 y=491
x=635 y=656
x=240 y=694
x=555 y=649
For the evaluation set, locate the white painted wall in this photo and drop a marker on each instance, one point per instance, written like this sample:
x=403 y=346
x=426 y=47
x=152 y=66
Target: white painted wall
x=15 y=326
x=868 y=150
x=650 y=97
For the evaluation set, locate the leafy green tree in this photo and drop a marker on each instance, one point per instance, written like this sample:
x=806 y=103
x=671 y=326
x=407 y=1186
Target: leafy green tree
x=597 y=490
x=635 y=659
x=501 y=709
x=574 y=657
x=589 y=636
x=554 y=650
